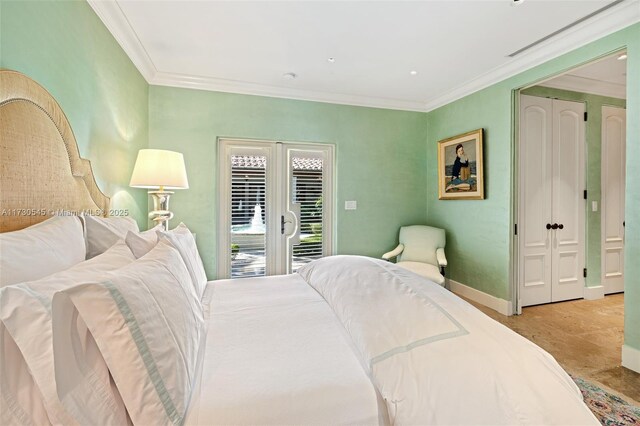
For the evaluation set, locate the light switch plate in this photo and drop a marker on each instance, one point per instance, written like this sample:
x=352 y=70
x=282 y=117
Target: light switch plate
x=594 y=206
x=350 y=205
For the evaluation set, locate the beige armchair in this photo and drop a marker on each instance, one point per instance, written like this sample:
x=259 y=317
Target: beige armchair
x=421 y=250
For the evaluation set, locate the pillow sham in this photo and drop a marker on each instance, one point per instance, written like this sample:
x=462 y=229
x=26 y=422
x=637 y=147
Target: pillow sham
x=103 y=232
x=147 y=321
x=26 y=346
x=20 y=400
x=141 y=243
x=182 y=239
x=40 y=250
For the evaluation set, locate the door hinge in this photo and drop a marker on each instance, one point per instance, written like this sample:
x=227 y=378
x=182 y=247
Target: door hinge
x=584 y=272
x=585 y=116
x=585 y=194
x=515 y=230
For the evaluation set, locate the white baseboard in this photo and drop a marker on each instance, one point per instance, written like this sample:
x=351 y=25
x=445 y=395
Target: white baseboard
x=502 y=306
x=631 y=358
x=594 y=293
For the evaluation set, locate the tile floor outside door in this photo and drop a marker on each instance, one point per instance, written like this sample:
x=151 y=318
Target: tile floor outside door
x=584 y=336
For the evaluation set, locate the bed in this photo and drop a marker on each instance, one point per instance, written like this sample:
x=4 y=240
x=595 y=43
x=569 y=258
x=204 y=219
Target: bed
x=136 y=335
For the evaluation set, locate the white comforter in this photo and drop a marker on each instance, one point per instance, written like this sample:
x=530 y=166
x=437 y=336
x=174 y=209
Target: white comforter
x=275 y=354
x=437 y=360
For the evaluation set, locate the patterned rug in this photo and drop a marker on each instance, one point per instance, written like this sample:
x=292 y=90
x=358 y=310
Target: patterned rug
x=610 y=409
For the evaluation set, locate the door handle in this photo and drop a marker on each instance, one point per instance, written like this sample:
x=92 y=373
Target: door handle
x=561 y=226
x=294 y=218
x=290 y=224
x=548 y=226
x=555 y=226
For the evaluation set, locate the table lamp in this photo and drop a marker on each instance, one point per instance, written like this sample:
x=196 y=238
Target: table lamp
x=159 y=170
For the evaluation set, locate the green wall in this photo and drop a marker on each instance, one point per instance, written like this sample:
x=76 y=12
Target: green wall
x=593 y=133
x=479 y=237
x=65 y=47
x=380 y=159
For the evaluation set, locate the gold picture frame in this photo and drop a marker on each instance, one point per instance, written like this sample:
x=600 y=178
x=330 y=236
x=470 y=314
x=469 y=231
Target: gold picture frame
x=460 y=167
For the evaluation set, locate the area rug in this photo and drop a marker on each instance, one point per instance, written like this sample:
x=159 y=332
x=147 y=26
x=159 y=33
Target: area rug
x=610 y=409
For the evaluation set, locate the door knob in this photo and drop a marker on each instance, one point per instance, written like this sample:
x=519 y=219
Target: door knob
x=561 y=226
x=548 y=226
x=554 y=226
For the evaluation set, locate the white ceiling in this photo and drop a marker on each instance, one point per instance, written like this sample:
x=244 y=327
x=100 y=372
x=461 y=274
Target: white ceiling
x=606 y=77
x=455 y=46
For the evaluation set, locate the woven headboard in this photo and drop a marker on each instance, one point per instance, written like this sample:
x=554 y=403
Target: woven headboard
x=41 y=172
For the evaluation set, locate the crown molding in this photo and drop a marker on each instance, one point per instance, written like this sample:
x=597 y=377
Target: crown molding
x=245 y=88
x=618 y=17
x=587 y=85
x=118 y=25
x=116 y=22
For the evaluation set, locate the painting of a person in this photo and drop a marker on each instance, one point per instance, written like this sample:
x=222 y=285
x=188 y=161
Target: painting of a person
x=461 y=168
x=461 y=177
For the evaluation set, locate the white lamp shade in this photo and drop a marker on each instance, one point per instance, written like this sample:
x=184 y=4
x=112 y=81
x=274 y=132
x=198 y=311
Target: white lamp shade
x=159 y=168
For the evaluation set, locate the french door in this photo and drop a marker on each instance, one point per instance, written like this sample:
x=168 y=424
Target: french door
x=551 y=205
x=276 y=204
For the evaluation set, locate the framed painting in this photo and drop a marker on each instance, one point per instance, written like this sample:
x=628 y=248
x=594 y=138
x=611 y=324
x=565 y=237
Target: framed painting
x=460 y=170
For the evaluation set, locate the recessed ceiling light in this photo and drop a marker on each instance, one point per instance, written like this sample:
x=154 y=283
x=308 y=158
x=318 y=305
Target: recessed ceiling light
x=413 y=72
x=622 y=57
x=289 y=76
x=331 y=60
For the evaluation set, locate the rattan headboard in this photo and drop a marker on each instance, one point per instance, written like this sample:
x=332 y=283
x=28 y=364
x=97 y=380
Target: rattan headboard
x=41 y=172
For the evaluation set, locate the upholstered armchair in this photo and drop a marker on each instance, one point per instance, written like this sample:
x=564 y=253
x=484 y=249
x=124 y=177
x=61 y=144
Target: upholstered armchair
x=421 y=250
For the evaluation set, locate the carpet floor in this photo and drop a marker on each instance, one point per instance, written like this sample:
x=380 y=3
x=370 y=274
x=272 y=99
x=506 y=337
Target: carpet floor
x=610 y=409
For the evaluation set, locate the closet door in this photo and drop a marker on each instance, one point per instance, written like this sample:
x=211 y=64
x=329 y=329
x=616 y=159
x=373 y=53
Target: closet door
x=612 y=205
x=536 y=183
x=551 y=205
x=568 y=204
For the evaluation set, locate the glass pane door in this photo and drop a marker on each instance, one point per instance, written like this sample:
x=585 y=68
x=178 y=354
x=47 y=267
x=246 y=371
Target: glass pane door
x=275 y=207
x=306 y=174
x=248 y=210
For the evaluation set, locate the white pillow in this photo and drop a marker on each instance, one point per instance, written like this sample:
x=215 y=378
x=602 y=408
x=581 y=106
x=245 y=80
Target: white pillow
x=104 y=232
x=182 y=239
x=141 y=243
x=147 y=322
x=20 y=400
x=40 y=250
x=27 y=330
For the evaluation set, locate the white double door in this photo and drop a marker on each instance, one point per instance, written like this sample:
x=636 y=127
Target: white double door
x=614 y=142
x=551 y=224
x=275 y=206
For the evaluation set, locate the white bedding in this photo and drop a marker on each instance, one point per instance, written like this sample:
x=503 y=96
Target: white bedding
x=353 y=340
x=275 y=353
x=147 y=322
x=437 y=360
x=346 y=340
x=28 y=388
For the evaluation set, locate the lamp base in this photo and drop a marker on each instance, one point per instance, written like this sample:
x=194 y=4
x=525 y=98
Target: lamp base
x=160 y=213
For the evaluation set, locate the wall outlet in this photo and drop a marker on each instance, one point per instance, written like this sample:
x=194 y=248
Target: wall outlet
x=350 y=205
